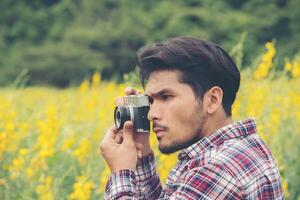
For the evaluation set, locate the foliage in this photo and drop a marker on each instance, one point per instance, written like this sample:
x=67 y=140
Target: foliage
x=62 y=42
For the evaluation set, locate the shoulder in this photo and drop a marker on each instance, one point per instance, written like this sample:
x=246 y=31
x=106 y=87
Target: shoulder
x=210 y=181
x=242 y=158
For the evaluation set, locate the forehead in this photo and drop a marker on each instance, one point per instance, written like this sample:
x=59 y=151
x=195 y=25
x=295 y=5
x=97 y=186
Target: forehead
x=164 y=79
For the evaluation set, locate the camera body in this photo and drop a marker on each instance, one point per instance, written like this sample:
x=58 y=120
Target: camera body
x=135 y=109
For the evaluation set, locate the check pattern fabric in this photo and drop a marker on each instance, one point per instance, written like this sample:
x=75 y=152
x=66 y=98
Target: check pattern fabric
x=231 y=163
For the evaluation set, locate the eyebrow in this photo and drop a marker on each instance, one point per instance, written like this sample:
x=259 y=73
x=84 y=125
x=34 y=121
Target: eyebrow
x=160 y=93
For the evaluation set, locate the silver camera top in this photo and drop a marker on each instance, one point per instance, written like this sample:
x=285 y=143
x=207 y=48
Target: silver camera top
x=136 y=100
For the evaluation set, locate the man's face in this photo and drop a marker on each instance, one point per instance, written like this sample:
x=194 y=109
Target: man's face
x=175 y=111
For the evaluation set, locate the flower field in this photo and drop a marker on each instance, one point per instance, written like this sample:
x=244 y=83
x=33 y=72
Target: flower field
x=49 y=138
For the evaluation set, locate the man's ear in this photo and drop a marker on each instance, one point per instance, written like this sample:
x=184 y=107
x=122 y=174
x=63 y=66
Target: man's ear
x=212 y=99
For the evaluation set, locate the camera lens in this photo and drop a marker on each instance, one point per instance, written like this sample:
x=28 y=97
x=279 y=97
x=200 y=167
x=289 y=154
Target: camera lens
x=121 y=115
x=118 y=118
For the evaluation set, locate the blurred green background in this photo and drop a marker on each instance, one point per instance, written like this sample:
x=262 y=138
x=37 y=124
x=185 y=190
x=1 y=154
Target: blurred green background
x=62 y=42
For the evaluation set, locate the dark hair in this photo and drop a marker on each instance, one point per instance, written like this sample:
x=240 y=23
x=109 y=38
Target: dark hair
x=202 y=64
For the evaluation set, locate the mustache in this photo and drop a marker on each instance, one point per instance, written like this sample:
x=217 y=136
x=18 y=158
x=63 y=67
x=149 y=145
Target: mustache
x=156 y=125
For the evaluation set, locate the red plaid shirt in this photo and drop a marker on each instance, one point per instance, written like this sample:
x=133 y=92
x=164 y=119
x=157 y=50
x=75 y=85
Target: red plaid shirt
x=231 y=163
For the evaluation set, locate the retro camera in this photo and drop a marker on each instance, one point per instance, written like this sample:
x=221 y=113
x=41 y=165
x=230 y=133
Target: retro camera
x=135 y=109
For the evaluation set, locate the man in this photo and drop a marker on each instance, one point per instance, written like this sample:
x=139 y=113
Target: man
x=191 y=85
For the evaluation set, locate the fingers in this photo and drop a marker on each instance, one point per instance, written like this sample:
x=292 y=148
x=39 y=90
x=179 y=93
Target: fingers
x=119 y=138
x=128 y=133
x=131 y=91
x=139 y=148
x=128 y=91
x=110 y=133
x=108 y=138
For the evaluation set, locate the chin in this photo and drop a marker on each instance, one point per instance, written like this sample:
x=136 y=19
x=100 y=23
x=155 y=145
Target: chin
x=176 y=146
x=168 y=149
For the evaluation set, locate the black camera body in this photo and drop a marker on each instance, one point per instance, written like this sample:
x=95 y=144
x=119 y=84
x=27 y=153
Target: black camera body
x=135 y=109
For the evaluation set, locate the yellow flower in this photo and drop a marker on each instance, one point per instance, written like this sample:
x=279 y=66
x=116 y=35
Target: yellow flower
x=296 y=68
x=285 y=188
x=96 y=79
x=266 y=62
x=23 y=151
x=44 y=189
x=2 y=143
x=288 y=66
x=104 y=178
x=84 y=86
x=82 y=189
x=167 y=162
x=17 y=164
x=10 y=127
x=68 y=143
x=83 y=151
x=29 y=172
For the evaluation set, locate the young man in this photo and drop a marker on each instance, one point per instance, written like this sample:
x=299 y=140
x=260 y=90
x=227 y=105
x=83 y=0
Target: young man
x=192 y=85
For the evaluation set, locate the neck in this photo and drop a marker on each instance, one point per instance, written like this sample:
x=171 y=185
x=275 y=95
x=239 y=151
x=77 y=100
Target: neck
x=214 y=123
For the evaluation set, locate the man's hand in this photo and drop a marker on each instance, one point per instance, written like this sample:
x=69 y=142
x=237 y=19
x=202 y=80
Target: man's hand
x=142 y=140
x=119 y=151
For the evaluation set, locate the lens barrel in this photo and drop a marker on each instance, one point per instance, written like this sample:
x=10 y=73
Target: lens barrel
x=121 y=115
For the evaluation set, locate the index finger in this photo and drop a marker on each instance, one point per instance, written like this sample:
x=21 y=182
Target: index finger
x=110 y=133
x=128 y=91
x=131 y=91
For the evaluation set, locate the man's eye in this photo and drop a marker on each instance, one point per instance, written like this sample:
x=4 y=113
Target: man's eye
x=166 y=97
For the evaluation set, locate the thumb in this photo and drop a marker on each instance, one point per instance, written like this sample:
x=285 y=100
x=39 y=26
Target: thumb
x=128 y=132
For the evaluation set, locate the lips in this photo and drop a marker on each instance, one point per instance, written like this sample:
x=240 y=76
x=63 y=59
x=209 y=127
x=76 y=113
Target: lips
x=159 y=131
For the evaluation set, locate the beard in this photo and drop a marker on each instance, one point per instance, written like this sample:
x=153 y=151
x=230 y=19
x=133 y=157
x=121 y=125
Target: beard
x=196 y=121
x=176 y=146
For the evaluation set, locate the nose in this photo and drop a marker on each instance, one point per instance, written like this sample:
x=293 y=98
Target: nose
x=155 y=112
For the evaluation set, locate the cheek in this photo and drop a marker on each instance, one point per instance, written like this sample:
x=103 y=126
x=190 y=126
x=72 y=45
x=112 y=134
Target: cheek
x=180 y=119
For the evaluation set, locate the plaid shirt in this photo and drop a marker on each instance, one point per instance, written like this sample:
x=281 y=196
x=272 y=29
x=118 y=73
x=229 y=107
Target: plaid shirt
x=231 y=163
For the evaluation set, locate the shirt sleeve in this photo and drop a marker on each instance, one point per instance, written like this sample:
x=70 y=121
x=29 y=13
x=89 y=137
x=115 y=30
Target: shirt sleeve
x=144 y=183
x=207 y=182
x=147 y=179
x=121 y=185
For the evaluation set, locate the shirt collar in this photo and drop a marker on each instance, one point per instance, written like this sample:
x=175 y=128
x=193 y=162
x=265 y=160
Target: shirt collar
x=234 y=130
